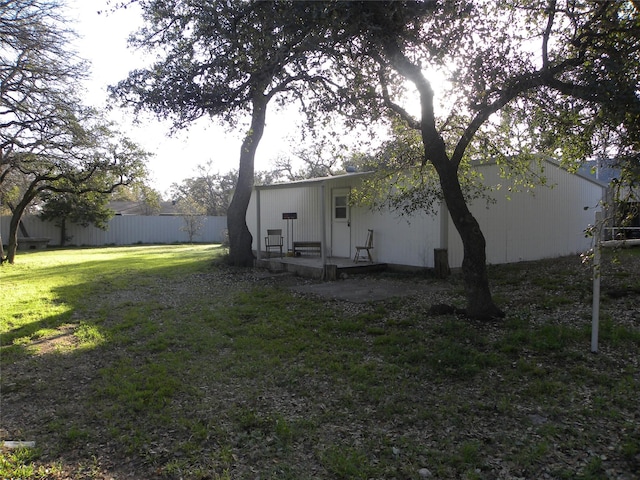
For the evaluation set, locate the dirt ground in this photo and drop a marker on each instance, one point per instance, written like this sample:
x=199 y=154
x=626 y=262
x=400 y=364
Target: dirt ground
x=367 y=289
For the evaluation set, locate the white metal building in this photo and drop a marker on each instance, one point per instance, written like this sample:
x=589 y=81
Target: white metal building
x=547 y=222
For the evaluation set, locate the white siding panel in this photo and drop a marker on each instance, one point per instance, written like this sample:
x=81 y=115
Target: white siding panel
x=304 y=201
x=398 y=240
x=547 y=222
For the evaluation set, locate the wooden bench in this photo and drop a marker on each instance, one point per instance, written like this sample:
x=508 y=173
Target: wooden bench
x=312 y=247
x=32 y=243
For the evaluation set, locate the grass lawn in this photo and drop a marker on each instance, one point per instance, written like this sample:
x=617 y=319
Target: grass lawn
x=160 y=362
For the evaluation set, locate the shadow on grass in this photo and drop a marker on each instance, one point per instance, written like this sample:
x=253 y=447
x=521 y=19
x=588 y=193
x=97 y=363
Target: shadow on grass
x=127 y=269
x=68 y=377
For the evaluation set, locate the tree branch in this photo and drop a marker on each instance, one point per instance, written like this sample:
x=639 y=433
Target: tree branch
x=394 y=107
x=551 y=9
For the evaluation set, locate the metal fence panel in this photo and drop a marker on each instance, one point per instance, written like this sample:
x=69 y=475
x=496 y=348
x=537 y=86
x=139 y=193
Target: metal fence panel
x=123 y=230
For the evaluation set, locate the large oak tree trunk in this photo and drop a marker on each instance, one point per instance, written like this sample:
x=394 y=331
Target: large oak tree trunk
x=240 y=238
x=474 y=268
x=15 y=224
x=480 y=303
x=12 y=246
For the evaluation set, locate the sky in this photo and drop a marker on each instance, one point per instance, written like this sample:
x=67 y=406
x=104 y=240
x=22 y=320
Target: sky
x=103 y=42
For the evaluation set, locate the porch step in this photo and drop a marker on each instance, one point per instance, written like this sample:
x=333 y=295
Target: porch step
x=313 y=267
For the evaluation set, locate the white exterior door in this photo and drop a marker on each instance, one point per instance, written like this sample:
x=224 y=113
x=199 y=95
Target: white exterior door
x=340 y=223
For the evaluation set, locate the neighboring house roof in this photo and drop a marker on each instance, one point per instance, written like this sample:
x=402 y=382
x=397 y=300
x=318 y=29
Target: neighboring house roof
x=126 y=208
x=168 y=208
x=603 y=170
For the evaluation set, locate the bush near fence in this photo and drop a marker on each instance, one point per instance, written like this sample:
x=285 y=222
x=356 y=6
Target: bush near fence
x=123 y=230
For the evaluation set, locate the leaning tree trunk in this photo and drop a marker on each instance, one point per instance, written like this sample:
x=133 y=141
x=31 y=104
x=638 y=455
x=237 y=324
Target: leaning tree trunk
x=240 y=238
x=63 y=231
x=12 y=246
x=480 y=303
x=15 y=223
x=474 y=268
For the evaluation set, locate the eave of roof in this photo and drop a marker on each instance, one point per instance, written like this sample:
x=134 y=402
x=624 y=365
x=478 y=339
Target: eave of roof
x=319 y=180
x=311 y=181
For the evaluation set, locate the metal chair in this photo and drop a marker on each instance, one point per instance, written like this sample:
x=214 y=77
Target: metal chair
x=368 y=246
x=273 y=240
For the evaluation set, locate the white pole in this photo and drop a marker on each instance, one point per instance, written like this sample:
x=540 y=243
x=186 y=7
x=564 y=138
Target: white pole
x=324 y=225
x=258 y=226
x=595 y=313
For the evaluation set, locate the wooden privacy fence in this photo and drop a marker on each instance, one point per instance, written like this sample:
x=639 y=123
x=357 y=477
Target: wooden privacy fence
x=123 y=230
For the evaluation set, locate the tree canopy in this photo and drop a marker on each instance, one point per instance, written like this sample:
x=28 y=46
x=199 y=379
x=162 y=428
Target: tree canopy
x=211 y=191
x=38 y=73
x=49 y=141
x=228 y=60
x=67 y=207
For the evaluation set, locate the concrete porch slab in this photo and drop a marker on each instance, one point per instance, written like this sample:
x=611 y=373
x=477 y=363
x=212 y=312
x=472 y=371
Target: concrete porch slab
x=312 y=267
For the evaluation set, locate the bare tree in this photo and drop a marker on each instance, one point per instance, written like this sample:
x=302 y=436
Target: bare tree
x=193 y=216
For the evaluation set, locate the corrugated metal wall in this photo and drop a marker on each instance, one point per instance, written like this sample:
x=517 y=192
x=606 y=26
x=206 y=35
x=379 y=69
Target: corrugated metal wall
x=547 y=222
x=124 y=230
x=396 y=239
x=304 y=201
